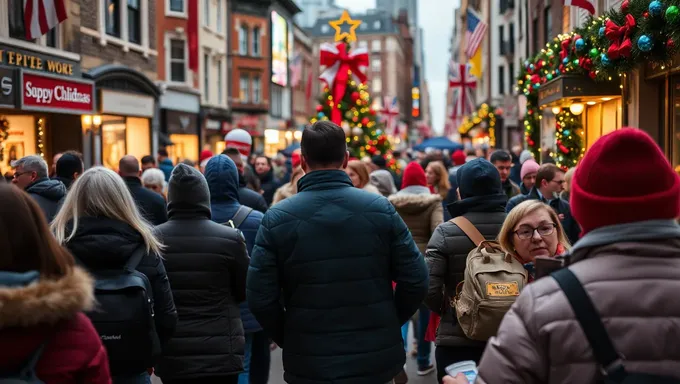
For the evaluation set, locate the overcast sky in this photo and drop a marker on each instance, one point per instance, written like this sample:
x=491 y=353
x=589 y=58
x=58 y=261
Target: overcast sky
x=436 y=19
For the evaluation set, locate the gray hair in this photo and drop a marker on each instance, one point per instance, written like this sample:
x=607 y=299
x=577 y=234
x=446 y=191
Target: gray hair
x=153 y=176
x=33 y=163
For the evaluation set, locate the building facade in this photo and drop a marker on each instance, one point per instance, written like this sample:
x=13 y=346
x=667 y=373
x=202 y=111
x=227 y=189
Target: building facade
x=313 y=9
x=302 y=80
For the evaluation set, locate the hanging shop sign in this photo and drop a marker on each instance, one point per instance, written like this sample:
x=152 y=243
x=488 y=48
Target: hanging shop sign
x=181 y=123
x=127 y=104
x=48 y=93
x=575 y=87
x=8 y=96
x=37 y=61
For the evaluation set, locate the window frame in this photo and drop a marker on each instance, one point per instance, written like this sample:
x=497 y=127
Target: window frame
x=206 y=77
x=244 y=93
x=256 y=96
x=139 y=20
x=171 y=13
x=206 y=13
x=220 y=86
x=219 y=18
x=243 y=31
x=169 y=59
x=117 y=18
x=256 y=41
x=501 y=80
x=123 y=41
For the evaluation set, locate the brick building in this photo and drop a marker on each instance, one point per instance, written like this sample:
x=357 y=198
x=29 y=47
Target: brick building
x=304 y=103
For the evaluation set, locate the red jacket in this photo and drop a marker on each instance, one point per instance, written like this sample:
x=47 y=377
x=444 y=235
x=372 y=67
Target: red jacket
x=50 y=312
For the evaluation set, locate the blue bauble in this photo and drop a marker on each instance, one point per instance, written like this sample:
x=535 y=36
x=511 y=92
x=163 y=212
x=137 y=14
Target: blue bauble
x=558 y=72
x=531 y=66
x=526 y=63
x=566 y=132
x=644 y=43
x=580 y=45
x=604 y=59
x=655 y=8
x=536 y=86
x=601 y=32
x=565 y=61
x=320 y=115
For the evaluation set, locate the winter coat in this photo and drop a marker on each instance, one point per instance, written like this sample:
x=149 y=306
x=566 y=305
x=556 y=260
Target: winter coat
x=269 y=185
x=166 y=166
x=571 y=227
x=48 y=194
x=511 y=189
x=150 y=204
x=285 y=191
x=446 y=255
x=524 y=190
x=250 y=198
x=421 y=211
x=330 y=253
x=384 y=181
x=630 y=271
x=102 y=244
x=372 y=189
x=33 y=312
x=222 y=177
x=207 y=265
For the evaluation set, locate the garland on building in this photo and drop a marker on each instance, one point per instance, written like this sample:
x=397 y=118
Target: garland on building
x=605 y=48
x=483 y=115
x=568 y=139
x=4 y=134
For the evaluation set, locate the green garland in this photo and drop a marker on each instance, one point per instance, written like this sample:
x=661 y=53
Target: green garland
x=568 y=139
x=4 y=134
x=605 y=48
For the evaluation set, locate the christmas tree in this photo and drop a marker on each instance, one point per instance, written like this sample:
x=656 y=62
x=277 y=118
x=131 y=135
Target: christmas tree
x=346 y=99
x=569 y=140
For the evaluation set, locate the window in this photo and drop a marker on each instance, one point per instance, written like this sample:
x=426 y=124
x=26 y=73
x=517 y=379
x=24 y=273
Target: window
x=363 y=43
x=521 y=21
x=206 y=13
x=377 y=24
x=256 y=41
x=244 y=89
x=257 y=90
x=324 y=28
x=376 y=65
x=501 y=80
x=375 y=45
x=206 y=77
x=276 y=105
x=511 y=76
x=134 y=22
x=547 y=24
x=220 y=87
x=177 y=6
x=112 y=18
x=501 y=38
x=511 y=38
x=219 y=16
x=377 y=85
x=566 y=19
x=16 y=19
x=51 y=39
x=534 y=36
x=177 y=61
x=243 y=40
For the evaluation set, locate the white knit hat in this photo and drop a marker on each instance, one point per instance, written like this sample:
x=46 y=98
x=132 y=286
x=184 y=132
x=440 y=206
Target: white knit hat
x=239 y=139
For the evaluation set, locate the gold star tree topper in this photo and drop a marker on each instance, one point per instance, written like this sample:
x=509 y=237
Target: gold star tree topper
x=353 y=25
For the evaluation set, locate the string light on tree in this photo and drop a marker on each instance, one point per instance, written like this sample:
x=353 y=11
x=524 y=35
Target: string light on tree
x=41 y=136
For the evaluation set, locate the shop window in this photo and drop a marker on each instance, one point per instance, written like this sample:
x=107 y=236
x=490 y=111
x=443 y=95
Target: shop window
x=219 y=15
x=244 y=89
x=20 y=142
x=112 y=17
x=138 y=136
x=134 y=22
x=185 y=147
x=220 y=86
x=601 y=119
x=257 y=90
x=243 y=40
x=206 y=77
x=177 y=6
x=122 y=136
x=256 y=41
x=177 y=61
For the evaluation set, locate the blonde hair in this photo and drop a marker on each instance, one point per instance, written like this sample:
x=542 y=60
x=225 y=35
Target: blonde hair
x=101 y=192
x=443 y=186
x=360 y=168
x=568 y=176
x=506 y=235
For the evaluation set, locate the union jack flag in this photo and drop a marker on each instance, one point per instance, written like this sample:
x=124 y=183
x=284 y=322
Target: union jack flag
x=390 y=113
x=296 y=70
x=463 y=85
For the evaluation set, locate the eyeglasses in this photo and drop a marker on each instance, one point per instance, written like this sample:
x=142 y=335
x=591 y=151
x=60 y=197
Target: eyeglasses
x=19 y=174
x=560 y=182
x=543 y=230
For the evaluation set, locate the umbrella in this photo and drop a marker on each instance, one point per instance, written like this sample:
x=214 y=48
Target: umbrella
x=288 y=151
x=440 y=142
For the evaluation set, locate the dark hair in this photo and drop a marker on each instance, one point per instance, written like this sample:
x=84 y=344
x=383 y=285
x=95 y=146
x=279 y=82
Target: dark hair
x=163 y=152
x=148 y=159
x=69 y=163
x=323 y=144
x=500 y=155
x=546 y=172
x=269 y=159
x=74 y=153
x=25 y=239
x=231 y=152
x=188 y=162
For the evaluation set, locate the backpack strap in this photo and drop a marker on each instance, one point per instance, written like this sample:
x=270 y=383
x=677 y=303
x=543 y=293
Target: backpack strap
x=239 y=217
x=610 y=361
x=136 y=258
x=469 y=229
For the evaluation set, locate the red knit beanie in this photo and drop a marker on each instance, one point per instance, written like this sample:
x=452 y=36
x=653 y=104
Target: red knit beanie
x=458 y=157
x=413 y=175
x=624 y=178
x=295 y=158
x=205 y=155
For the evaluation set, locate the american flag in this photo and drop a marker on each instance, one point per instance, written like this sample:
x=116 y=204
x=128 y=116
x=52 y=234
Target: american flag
x=463 y=84
x=474 y=34
x=296 y=70
x=40 y=16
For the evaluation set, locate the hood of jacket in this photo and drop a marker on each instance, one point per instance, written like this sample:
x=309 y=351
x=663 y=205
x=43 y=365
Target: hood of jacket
x=26 y=300
x=101 y=243
x=478 y=177
x=222 y=177
x=488 y=204
x=188 y=194
x=53 y=190
x=384 y=181
x=414 y=203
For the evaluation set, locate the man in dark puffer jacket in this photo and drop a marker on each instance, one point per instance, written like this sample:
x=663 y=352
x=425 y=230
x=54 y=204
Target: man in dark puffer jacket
x=483 y=203
x=207 y=265
x=330 y=254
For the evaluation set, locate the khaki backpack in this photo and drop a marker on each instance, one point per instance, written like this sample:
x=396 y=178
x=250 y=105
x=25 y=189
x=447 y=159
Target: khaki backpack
x=493 y=280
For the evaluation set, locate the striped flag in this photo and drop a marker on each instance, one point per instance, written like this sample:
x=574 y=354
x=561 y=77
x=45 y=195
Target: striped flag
x=463 y=84
x=474 y=33
x=588 y=5
x=296 y=70
x=40 y=16
x=390 y=114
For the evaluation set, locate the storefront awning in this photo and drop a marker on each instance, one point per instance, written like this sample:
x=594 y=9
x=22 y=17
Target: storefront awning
x=576 y=87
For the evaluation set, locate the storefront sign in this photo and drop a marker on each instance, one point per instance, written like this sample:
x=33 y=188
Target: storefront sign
x=181 y=123
x=56 y=94
x=36 y=61
x=8 y=96
x=575 y=87
x=212 y=125
x=127 y=104
x=180 y=101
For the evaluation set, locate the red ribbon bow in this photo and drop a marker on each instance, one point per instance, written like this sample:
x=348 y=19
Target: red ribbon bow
x=565 y=48
x=621 y=45
x=585 y=63
x=339 y=63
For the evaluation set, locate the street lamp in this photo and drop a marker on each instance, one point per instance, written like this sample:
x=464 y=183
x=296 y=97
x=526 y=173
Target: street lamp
x=91 y=143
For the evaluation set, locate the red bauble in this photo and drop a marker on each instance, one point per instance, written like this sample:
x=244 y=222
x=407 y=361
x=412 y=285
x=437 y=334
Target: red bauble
x=365 y=121
x=319 y=108
x=382 y=139
x=372 y=112
x=355 y=96
x=645 y=14
x=355 y=119
x=624 y=6
x=670 y=44
x=592 y=74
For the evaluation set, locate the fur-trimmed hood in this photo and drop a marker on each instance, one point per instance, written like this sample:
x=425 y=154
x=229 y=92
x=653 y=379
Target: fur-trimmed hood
x=414 y=203
x=45 y=301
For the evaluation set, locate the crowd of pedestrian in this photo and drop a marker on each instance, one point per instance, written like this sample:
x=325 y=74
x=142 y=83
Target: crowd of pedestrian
x=196 y=272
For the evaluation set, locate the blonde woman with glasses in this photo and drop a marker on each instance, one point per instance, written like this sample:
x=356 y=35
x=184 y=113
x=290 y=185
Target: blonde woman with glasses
x=101 y=226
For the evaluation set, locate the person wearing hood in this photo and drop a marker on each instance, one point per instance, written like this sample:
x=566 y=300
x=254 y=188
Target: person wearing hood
x=69 y=167
x=207 y=264
x=380 y=162
x=164 y=163
x=246 y=196
x=42 y=298
x=264 y=169
x=482 y=202
x=30 y=174
x=222 y=176
x=528 y=175
x=384 y=181
x=422 y=212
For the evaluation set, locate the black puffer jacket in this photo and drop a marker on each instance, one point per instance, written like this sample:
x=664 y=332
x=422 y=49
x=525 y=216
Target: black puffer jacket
x=207 y=264
x=101 y=243
x=48 y=194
